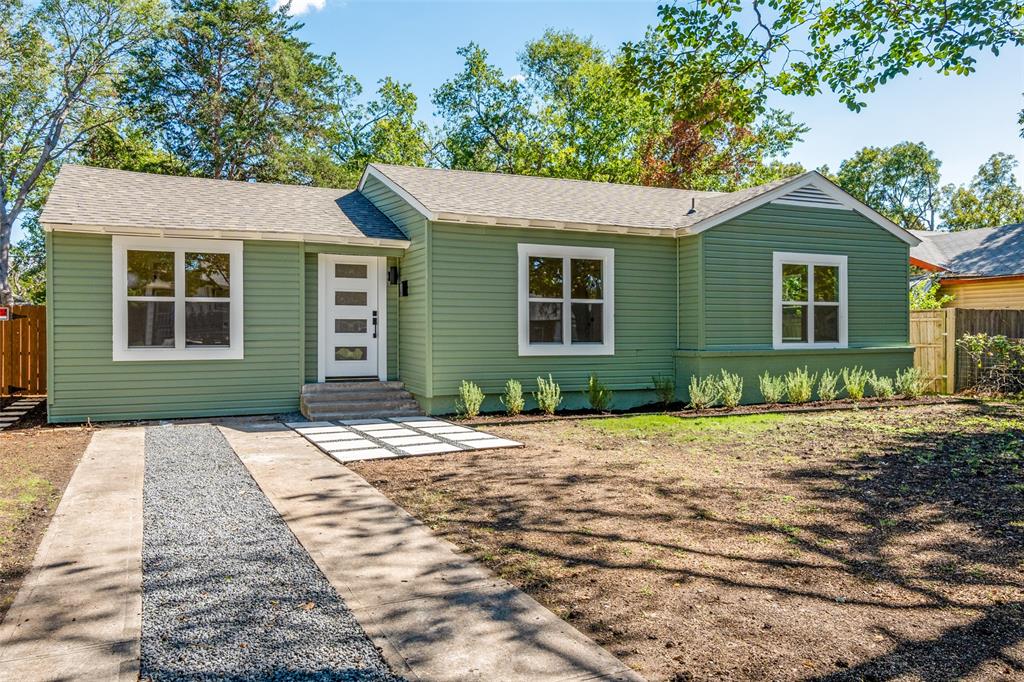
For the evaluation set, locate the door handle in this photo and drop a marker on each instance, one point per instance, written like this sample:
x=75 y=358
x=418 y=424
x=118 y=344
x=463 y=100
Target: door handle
x=374 y=324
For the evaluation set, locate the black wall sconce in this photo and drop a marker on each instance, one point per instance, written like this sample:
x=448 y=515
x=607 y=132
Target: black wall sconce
x=393 y=274
x=403 y=289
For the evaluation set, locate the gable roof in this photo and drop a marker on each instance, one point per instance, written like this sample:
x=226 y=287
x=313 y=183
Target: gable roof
x=104 y=200
x=475 y=197
x=983 y=252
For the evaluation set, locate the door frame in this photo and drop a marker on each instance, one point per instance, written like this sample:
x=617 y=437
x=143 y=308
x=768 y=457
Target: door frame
x=324 y=260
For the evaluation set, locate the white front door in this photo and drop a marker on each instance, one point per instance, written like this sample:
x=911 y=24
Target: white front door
x=351 y=322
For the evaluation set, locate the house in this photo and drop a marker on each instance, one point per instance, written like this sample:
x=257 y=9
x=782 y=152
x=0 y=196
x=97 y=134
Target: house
x=982 y=268
x=175 y=297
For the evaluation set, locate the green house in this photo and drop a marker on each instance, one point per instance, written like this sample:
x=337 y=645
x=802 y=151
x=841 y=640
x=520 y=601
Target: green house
x=175 y=297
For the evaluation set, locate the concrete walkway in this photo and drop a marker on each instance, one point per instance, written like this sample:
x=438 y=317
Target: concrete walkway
x=436 y=614
x=78 y=613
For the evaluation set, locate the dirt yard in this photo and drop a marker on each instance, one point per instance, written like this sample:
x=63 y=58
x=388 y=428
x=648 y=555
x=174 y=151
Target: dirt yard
x=862 y=545
x=36 y=463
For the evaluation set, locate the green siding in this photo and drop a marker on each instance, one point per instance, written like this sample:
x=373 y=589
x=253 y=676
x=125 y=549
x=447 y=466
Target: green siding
x=87 y=384
x=737 y=262
x=690 y=282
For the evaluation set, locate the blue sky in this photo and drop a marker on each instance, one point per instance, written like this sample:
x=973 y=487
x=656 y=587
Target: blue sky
x=964 y=120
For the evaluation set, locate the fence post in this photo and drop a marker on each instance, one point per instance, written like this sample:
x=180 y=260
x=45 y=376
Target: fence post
x=950 y=334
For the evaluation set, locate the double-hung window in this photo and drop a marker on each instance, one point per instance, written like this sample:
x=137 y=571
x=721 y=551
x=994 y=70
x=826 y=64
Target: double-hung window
x=566 y=300
x=177 y=299
x=809 y=300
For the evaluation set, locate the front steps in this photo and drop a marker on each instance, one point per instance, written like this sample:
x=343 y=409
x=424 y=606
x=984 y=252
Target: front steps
x=356 y=400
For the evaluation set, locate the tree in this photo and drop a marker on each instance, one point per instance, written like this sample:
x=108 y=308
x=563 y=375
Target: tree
x=128 y=147
x=900 y=182
x=993 y=198
x=60 y=63
x=233 y=93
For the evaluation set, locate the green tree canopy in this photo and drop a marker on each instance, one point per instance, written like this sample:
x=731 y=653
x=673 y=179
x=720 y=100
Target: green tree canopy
x=901 y=182
x=993 y=197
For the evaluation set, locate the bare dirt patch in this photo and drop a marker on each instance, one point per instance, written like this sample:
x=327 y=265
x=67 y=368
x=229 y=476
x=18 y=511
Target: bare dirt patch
x=861 y=545
x=36 y=463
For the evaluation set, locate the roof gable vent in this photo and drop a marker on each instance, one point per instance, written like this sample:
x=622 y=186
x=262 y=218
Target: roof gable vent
x=809 y=195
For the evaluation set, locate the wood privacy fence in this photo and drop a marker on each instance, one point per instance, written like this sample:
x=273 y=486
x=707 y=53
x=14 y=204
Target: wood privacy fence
x=933 y=335
x=23 y=351
x=1008 y=323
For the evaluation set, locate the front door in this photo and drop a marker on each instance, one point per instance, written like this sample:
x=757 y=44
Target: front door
x=350 y=318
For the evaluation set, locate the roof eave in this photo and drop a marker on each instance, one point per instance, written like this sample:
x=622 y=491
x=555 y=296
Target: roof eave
x=505 y=221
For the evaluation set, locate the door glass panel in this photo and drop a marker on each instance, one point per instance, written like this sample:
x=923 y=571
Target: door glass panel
x=344 y=353
x=794 y=282
x=150 y=324
x=349 y=298
x=207 y=324
x=826 y=283
x=207 y=275
x=586 y=322
x=350 y=270
x=794 y=323
x=586 y=279
x=826 y=322
x=350 y=326
x=150 y=273
x=545 y=277
x=545 y=323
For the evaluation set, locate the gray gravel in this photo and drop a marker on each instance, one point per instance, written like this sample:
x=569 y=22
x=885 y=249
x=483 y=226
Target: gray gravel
x=228 y=592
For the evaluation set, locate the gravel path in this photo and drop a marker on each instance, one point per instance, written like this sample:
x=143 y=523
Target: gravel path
x=228 y=592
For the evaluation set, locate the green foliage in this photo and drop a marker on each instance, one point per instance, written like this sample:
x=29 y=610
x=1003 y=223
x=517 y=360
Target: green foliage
x=513 y=398
x=548 y=395
x=854 y=381
x=998 y=362
x=598 y=395
x=993 y=198
x=881 y=386
x=704 y=392
x=828 y=388
x=900 y=182
x=910 y=382
x=28 y=264
x=800 y=385
x=925 y=295
x=470 y=399
x=731 y=386
x=772 y=388
x=665 y=389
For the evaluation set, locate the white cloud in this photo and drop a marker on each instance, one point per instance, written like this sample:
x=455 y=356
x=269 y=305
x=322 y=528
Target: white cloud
x=519 y=78
x=300 y=6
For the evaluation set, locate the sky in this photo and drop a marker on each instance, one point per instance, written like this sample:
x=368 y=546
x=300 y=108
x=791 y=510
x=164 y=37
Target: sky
x=963 y=119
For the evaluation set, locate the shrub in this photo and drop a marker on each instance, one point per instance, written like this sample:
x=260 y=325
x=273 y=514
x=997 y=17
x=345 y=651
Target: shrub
x=665 y=388
x=548 y=395
x=828 y=385
x=881 y=386
x=998 y=362
x=513 y=398
x=470 y=399
x=910 y=382
x=704 y=392
x=772 y=388
x=800 y=385
x=598 y=395
x=854 y=380
x=731 y=387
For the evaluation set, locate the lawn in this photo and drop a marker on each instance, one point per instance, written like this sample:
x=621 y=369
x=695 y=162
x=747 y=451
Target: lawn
x=36 y=463
x=871 y=544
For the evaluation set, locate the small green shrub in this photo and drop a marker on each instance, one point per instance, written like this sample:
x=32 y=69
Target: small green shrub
x=513 y=398
x=598 y=395
x=704 y=393
x=881 y=386
x=828 y=385
x=772 y=388
x=910 y=382
x=731 y=387
x=470 y=399
x=854 y=381
x=665 y=388
x=800 y=385
x=548 y=395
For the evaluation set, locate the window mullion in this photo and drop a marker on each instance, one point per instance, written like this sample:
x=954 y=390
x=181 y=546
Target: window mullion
x=566 y=301
x=810 y=303
x=179 y=300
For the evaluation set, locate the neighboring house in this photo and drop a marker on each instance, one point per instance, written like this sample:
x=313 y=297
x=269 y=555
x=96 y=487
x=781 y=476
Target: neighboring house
x=173 y=297
x=982 y=268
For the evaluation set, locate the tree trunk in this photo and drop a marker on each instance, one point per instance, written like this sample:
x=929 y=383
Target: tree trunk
x=6 y=230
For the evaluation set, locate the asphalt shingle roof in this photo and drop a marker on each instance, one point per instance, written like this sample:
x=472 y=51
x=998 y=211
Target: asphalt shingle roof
x=85 y=195
x=984 y=252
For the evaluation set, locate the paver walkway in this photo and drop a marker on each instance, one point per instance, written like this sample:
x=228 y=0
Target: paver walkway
x=436 y=614
x=78 y=613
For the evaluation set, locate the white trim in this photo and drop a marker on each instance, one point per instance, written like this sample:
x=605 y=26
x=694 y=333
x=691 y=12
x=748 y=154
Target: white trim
x=323 y=261
x=810 y=259
x=120 y=245
x=374 y=172
x=607 y=256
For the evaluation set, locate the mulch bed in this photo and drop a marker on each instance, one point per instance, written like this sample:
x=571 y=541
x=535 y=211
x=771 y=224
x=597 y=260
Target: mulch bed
x=835 y=545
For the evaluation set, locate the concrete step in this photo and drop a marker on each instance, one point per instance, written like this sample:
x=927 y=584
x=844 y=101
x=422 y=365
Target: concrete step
x=336 y=387
x=356 y=396
x=341 y=416
x=382 y=406
x=357 y=400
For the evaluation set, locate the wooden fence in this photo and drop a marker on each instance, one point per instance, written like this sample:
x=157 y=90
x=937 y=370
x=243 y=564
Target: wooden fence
x=1009 y=323
x=23 y=351
x=933 y=335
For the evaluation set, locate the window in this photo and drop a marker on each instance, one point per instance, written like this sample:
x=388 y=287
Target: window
x=809 y=301
x=566 y=300
x=177 y=299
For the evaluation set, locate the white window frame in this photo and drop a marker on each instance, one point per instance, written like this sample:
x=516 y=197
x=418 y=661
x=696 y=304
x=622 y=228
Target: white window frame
x=122 y=245
x=780 y=258
x=567 y=253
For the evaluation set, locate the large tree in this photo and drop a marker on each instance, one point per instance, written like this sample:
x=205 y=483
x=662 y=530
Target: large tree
x=60 y=64
x=901 y=182
x=993 y=197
